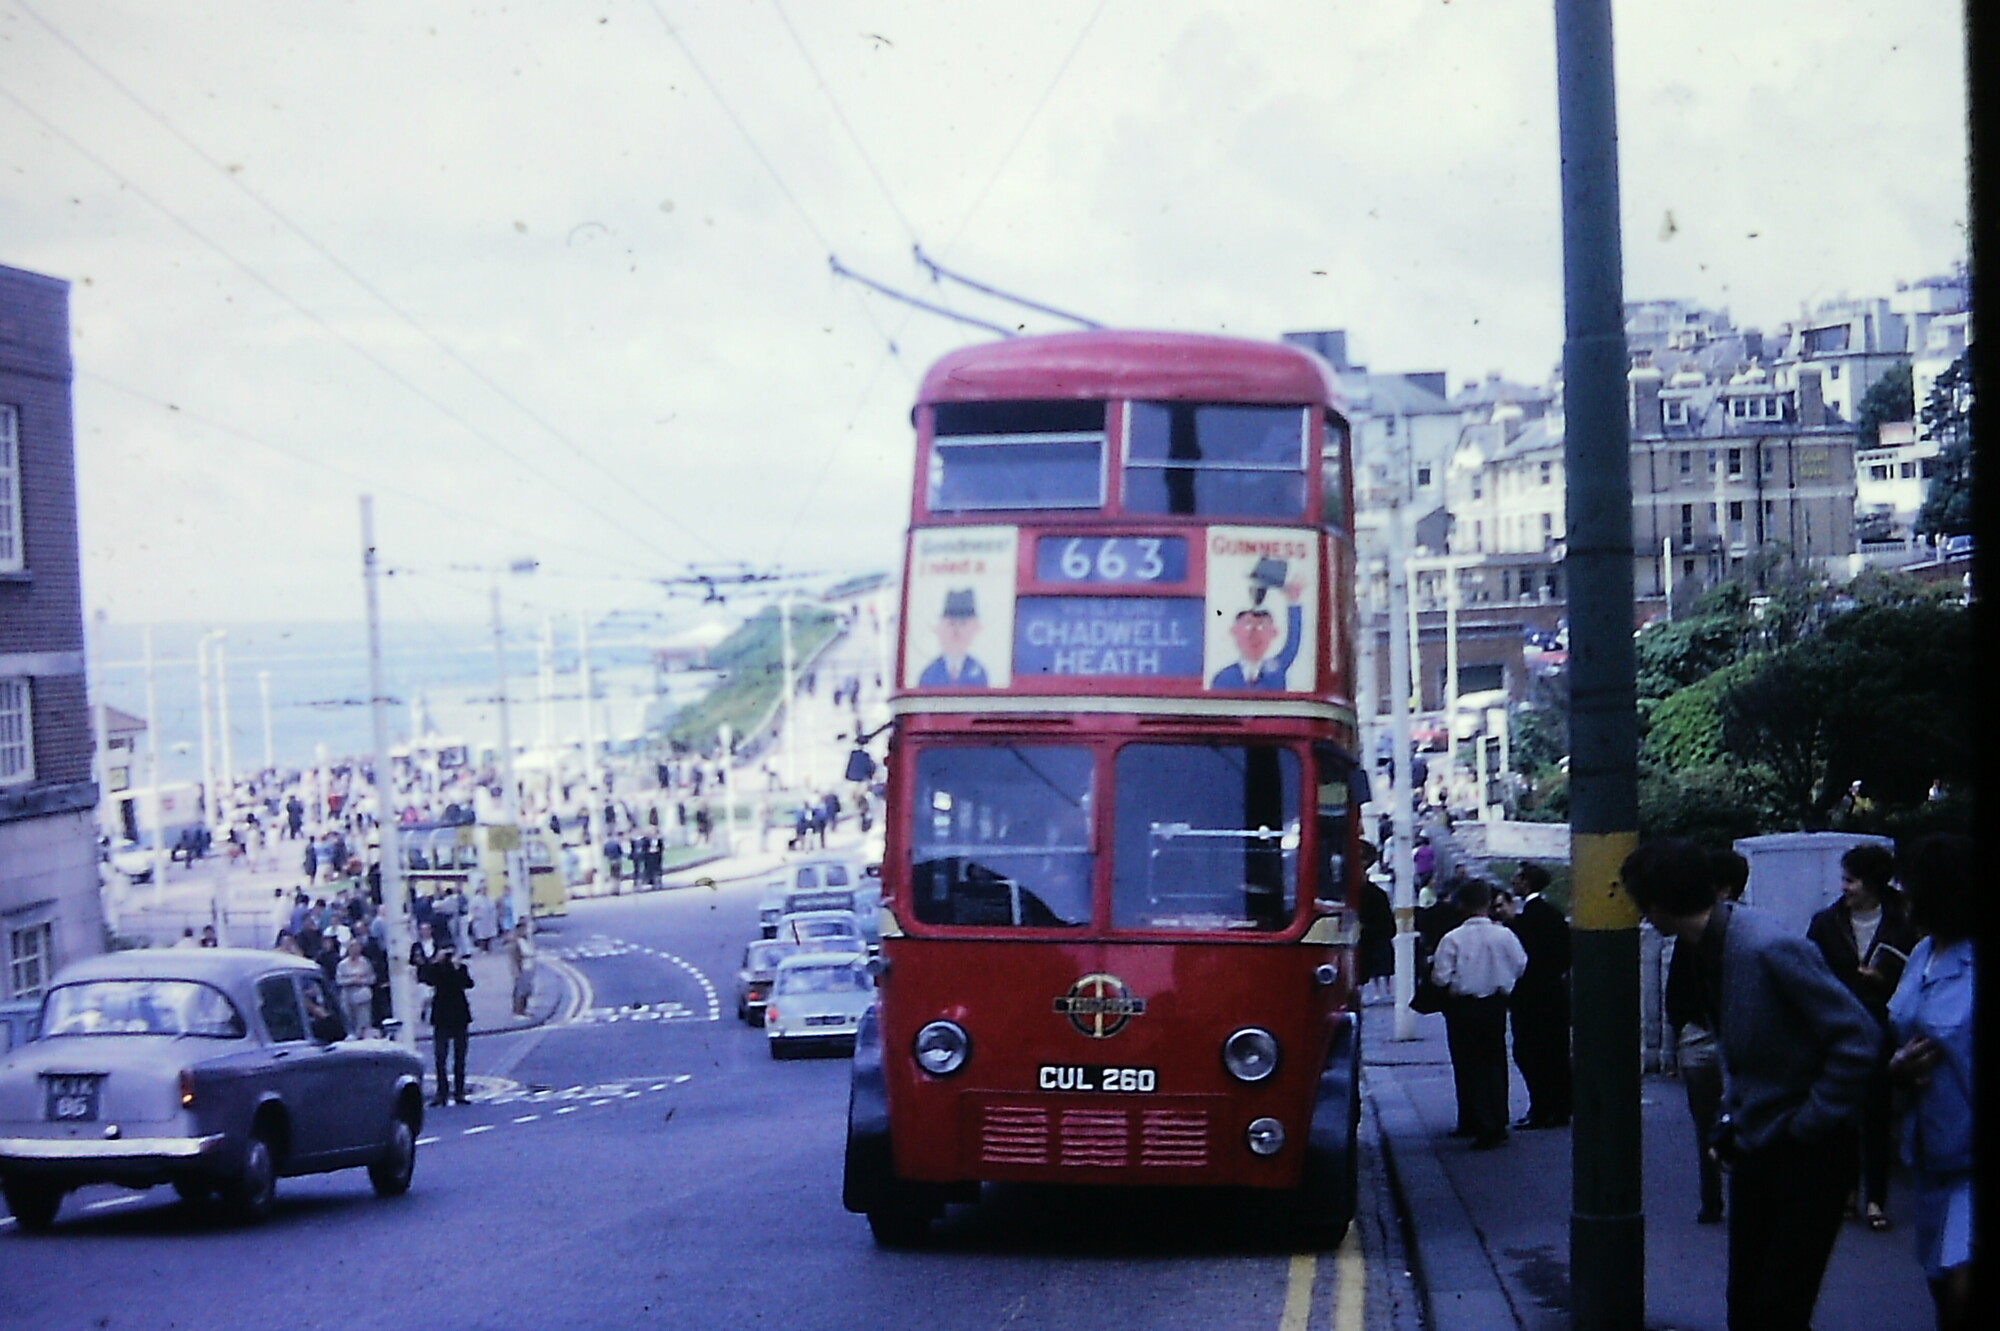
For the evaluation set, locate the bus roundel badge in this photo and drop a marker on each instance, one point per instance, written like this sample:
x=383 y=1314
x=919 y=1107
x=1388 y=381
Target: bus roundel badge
x=1099 y=1006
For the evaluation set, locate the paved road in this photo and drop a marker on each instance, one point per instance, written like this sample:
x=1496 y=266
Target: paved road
x=649 y=1163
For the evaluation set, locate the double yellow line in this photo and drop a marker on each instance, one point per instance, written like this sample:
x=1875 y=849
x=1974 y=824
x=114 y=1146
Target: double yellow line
x=1350 y=1273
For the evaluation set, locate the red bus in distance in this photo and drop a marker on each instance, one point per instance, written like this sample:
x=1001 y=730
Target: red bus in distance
x=1119 y=902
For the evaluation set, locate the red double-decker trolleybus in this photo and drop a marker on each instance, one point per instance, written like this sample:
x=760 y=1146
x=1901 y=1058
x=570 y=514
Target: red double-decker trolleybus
x=1119 y=887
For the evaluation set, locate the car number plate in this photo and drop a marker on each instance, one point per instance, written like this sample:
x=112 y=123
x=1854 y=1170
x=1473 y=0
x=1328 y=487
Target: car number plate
x=71 y=1098
x=828 y=1021
x=1095 y=1077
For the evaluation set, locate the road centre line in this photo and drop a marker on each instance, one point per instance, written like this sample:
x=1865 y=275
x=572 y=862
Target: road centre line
x=473 y=1132
x=527 y=1118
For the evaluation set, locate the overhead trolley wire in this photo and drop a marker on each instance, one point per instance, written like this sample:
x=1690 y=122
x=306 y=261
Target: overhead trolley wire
x=866 y=159
x=234 y=179
x=242 y=266
x=373 y=484
x=770 y=167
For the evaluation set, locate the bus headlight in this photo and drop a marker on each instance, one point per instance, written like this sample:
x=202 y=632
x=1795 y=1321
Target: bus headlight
x=1251 y=1054
x=1265 y=1136
x=941 y=1048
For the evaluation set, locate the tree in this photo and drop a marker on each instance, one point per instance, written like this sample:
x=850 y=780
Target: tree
x=1947 y=417
x=1893 y=397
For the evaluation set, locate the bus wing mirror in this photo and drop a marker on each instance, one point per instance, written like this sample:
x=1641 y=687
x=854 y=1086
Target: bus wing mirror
x=860 y=767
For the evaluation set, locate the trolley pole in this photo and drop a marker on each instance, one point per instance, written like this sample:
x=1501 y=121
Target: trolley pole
x=1607 y=1220
x=402 y=983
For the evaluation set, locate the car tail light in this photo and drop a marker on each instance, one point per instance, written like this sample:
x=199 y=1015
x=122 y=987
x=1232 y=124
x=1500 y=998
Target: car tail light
x=770 y=1013
x=187 y=1087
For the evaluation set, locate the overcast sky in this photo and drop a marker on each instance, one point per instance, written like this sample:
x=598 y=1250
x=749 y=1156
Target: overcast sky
x=551 y=279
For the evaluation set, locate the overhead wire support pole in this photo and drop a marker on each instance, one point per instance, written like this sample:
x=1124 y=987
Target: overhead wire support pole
x=938 y=270
x=402 y=981
x=1607 y=1219
x=842 y=270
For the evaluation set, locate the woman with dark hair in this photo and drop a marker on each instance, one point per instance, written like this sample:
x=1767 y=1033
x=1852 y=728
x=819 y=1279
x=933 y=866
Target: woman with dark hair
x=1930 y=1015
x=1866 y=937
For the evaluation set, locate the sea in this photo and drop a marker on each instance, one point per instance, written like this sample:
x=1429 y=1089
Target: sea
x=439 y=678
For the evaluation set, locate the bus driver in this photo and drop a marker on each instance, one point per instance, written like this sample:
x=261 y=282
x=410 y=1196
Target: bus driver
x=956 y=628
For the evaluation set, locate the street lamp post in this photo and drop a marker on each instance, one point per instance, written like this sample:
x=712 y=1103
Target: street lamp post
x=728 y=784
x=510 y=810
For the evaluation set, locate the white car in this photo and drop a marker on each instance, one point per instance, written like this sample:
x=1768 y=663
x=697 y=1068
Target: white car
x=817 y=1000
x=134 y=859
x=824 y=931
x=800 y=876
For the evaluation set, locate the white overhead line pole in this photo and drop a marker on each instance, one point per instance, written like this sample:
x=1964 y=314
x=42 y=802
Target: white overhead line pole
x=510 y=803
x=264 y=696
x=395 y=905
x=1402 y=641
x=209 y=803
x=153 y=772
x=222 y=729
x=1450 y=676
x=791 y=696
x=592 y=831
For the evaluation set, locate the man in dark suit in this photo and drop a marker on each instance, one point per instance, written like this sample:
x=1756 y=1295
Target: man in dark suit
x=451 y=1019
x=1797 y=1053
x=1540 y=1002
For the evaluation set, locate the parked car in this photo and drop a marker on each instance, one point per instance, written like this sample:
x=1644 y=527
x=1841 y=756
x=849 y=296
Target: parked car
x=134 y=859
x=216 y=1070
x=817 y=999
x=754 y=976
x=823 y=930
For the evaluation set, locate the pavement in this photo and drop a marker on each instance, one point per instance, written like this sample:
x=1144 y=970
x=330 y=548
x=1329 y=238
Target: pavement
x=1488 y=1232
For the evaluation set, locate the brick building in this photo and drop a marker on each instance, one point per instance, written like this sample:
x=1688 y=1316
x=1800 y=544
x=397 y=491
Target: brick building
x=49 y=905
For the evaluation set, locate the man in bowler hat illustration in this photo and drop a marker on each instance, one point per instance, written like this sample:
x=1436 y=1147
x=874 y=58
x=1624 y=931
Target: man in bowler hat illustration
x=954 y=667
x=1254 y=631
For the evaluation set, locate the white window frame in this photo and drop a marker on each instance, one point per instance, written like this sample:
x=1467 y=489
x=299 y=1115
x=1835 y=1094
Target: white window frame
x=17 y=731
x=13 y=547
x=29 y=968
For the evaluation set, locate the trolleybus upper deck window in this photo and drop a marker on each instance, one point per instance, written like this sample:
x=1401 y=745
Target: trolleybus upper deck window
x=1000 y=836
x=1016 y=455
x=1207 y=837
x=1216 y=461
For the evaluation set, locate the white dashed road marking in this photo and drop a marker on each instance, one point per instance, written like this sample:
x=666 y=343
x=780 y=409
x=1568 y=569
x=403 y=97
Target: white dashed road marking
x=599 y=946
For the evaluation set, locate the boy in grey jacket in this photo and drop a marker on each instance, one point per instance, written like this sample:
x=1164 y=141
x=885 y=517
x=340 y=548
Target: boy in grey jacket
x=1797 y=1051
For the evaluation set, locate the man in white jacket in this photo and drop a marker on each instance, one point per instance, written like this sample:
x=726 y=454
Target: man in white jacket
x=1478 y=963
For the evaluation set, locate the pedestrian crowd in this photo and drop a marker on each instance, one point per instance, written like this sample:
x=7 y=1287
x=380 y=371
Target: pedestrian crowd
x=1800 y=1055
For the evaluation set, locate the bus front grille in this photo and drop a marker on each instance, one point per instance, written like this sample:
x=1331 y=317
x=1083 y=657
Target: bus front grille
x=1007 y=1135
x=1174 y=1137
x=1014 y=1135
x=1095 y=1137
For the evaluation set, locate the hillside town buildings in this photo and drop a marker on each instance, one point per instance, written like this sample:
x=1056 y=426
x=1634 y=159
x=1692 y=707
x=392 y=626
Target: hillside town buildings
x=1745 y=457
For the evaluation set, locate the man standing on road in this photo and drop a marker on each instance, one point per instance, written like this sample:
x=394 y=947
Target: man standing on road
x=1540 y=1003
x=451 y=1019
x=1797 y=1053
x=1478 y=964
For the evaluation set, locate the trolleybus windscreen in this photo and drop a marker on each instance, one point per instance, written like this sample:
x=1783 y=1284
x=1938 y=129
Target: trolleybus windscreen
x=1000 y=836
x=1207 y=837
x=1216 y=461
x=1016 y=455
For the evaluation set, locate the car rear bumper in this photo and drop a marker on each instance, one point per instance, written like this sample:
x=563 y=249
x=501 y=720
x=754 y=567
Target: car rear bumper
x=134 y=1162
x=115 y=1150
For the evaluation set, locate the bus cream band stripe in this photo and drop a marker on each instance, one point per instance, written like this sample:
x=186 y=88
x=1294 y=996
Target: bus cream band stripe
x=1234 y=708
